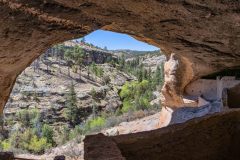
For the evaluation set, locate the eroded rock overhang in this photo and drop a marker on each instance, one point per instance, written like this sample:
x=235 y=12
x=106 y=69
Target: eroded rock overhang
x=204 y=34
x=212 y=138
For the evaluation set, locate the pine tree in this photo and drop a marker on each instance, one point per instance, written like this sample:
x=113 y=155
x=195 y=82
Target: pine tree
x=149 y=73
x=68 y=57
x=145 y=74
x=122 y=62
x=78 y=57
x=47 y=132
x=140 y=75
x=71 y=104
x=159 y=76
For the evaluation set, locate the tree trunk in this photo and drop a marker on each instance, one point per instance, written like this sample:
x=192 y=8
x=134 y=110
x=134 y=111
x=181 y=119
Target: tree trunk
x=68 y=71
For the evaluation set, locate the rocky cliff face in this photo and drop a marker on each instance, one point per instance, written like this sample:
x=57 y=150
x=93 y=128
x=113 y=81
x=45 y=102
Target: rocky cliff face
x=205 y=34
x=94 y=53
x=36 y=87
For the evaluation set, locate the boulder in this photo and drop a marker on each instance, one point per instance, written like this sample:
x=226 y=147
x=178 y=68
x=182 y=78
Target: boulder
x=6 y=156
x=61 y=157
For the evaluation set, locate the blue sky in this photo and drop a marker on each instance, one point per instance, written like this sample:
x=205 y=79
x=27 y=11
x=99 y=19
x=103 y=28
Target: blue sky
x=113 y=41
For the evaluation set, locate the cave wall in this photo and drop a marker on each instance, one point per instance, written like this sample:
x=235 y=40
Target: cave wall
x=203 y=35
x=213 y=137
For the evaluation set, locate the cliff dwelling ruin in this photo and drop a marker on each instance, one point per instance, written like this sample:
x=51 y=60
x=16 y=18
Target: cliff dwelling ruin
x=199 y=38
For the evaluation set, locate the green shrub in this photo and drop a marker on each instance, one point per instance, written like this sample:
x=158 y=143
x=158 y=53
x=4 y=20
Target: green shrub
x=125 y=91
x=47 y=132
x=29 y=140
x=142 y=103
x=28 y=117
x=38 y=145
x=9 y=121
x=25 y=138
x=136 y=96
x=5 y=145
x=127 y=106
x=14 y=138
x=23 y=117
x=97 y=70
x=95 y=124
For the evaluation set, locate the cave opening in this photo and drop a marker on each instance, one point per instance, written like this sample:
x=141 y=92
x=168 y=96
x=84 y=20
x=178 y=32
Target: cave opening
x=80 y=87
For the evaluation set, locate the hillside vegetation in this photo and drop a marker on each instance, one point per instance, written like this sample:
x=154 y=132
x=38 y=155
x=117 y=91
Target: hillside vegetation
x=74 y=90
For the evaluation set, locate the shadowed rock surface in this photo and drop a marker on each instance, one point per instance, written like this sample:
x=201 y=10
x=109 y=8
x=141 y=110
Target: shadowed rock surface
x=107 y=149
x=210 y=138
x=204 y=34
x=6 y=156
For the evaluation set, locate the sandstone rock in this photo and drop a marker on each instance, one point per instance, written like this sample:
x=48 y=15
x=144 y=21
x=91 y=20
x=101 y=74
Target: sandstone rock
x=210 y=137
x=113 y=104
x=190 y=103
x=108 y=149
x=139 y=125
x=154 y=61
x=178 y=73
x=112 y=132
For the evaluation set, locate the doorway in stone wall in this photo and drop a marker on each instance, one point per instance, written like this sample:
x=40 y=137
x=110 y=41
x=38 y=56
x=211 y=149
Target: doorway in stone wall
x=233 y=97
